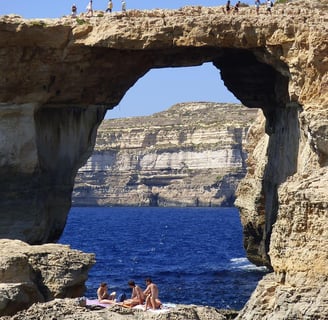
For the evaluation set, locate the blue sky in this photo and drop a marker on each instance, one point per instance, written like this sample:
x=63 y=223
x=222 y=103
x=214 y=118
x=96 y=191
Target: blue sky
x=159 y=89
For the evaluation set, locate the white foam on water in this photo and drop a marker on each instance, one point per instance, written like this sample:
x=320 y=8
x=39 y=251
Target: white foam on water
x=244 y=264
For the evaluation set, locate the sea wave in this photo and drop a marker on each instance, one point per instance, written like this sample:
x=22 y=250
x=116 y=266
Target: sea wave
x=245 y=265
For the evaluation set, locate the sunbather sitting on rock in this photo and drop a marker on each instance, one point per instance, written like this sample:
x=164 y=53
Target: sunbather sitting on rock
x=151 y=293
x=103 y=295
x=137 y=296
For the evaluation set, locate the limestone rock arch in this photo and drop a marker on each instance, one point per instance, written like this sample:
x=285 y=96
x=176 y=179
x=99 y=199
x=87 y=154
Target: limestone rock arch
x=60 y=77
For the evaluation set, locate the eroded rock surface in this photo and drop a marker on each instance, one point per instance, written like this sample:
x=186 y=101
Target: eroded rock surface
x=39 y=273
x=67 y=309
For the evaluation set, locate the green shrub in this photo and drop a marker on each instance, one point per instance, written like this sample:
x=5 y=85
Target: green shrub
x=80 y=21
x=38 y=23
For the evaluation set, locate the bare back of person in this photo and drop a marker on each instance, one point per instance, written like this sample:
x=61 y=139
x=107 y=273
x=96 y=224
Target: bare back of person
x=153 y=290
x=152 y=295
x=137 y=296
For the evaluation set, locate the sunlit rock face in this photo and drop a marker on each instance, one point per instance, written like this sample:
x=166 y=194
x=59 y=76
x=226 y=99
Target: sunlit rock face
x=58 y=77
x=189 y=155
x=62 y=75
x=39 y=273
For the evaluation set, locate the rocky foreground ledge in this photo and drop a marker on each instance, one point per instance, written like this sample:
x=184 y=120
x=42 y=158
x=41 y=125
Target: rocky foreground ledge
x=45 y=281
x=67 y=309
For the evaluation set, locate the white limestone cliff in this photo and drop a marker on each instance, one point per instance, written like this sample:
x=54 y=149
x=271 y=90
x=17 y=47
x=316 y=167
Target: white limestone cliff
x=189 y=155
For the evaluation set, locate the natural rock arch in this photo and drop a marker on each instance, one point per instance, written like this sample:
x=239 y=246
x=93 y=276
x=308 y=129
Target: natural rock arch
x=63 y=132
x=62 y=76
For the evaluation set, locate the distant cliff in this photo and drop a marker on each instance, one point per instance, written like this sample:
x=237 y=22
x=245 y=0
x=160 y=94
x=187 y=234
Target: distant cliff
x=189 y=155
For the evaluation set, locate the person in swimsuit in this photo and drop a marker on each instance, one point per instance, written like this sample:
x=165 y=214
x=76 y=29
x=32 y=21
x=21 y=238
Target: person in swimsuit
x=151 y=293
x=137 y=296
x=103 y=295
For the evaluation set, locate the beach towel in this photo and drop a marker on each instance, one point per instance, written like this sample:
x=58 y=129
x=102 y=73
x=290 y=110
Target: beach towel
x=95 y=303
x=166 y=307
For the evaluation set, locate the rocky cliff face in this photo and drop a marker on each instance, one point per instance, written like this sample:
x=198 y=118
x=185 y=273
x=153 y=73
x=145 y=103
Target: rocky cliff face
x=296 y=241
x=190 y=155
x=60 y=76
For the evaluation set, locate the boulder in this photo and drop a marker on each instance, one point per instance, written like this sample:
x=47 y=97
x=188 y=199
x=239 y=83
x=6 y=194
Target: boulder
x=39 y=273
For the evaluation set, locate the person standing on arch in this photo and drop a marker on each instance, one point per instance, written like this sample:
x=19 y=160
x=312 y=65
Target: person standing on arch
x=123 y=6
x=109 y=6
x=236 y=7
x=89 y=9
x=257 y=6
x=228 y=6
x=74 y=11
x=269 y=4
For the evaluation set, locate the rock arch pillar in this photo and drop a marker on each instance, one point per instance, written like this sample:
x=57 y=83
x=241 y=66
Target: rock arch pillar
x=262 y=85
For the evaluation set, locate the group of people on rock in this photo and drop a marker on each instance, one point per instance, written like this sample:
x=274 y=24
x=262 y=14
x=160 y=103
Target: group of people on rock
x=148 y=297
x=235 y=9
x=228 y=8
x=89 y=8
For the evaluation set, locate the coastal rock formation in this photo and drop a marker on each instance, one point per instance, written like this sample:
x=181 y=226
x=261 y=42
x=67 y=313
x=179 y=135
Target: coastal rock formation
x=39 y=273
x=298 y=248
x=189 y=155
x=60 y=76
x=68 y=309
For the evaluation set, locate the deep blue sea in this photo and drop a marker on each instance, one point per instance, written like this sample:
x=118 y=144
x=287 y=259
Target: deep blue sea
x=194 y=255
